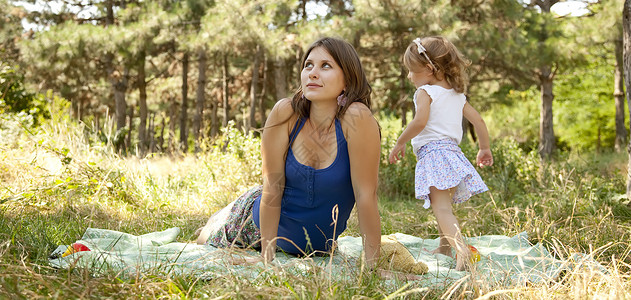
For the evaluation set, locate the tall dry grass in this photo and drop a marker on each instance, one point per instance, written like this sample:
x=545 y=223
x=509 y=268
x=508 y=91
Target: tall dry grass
x=59 y=179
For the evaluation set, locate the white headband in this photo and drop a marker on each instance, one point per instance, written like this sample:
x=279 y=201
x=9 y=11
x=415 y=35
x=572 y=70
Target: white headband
x=423 y=51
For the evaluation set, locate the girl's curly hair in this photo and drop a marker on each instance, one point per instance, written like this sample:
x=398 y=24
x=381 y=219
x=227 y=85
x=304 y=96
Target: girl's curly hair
x=450 y=64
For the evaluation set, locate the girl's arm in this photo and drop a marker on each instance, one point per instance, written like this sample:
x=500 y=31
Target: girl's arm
x=274 y=145
x=485 y=157
x=364 y=150
x=414 y=128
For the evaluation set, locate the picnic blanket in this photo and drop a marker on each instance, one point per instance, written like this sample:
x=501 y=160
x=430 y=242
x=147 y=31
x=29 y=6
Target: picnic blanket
x=505 y=261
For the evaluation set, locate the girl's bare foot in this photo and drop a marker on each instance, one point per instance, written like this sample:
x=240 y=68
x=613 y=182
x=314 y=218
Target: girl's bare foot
x=461 y=263
x=441 y=250
x=464 y=260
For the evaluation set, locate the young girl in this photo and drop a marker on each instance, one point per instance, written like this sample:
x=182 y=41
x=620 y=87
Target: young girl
x=443 y=174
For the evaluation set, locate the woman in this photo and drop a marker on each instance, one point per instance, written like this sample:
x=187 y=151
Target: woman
x=320 y=152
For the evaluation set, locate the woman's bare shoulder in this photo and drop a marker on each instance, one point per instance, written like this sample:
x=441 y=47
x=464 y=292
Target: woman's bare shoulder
x=358 y=119
x=281 y=112
x=283 y=107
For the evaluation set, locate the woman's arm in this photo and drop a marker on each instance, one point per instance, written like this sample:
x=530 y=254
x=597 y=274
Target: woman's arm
x=485 y=157
x=274 y=145
x=414 y=128
x=364 y=149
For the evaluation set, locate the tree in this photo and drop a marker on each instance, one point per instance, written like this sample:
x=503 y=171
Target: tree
x=144 y=24
x=63 y=59
x=184 y=106
x=552 y=56
x=618 y=94
x=191 y=43
x=382 y=30
x=606 y=14
x=626 y=35
x=264 y=29
x=14 y=98
x=10 y=31
x=254 y=87
x=545 y=74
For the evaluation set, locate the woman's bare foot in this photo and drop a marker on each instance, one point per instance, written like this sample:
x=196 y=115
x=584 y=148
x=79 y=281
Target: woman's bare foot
x=198 y=231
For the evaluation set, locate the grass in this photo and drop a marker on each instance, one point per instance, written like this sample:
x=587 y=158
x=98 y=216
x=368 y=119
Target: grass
x=58 y=180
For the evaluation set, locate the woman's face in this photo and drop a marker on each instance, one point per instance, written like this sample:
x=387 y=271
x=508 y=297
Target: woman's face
x=321 y=78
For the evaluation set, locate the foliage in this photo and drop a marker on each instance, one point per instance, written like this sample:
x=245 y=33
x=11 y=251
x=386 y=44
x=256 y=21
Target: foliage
x=515 y=116
x=14 y=98
x=395 y=180
x=583 y=106
x=507 y=42
x=10 y=31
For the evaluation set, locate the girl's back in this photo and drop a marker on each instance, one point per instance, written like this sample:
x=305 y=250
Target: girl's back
x=445 y=116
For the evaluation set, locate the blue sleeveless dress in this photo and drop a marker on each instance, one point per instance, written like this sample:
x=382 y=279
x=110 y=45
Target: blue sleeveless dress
x=316 y=203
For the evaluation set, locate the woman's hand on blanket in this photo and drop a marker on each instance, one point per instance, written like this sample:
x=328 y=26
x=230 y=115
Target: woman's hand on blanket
x=385 y=274
x=245 y=260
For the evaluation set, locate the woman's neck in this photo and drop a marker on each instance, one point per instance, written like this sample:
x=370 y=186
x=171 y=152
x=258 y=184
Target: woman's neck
x=322 y=114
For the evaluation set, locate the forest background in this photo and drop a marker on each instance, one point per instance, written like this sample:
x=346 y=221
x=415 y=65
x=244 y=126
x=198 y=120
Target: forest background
x=144 y=112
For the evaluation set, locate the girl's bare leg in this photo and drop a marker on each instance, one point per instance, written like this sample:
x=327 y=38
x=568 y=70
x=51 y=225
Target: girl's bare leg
x=448 y=224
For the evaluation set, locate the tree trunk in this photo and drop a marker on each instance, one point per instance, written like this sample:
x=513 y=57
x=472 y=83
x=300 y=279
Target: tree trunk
x=253 y=88
x=201 y=98
x=184 y=108
x=547 y=143
x=403 y=103
x=82 y=103
x=214 y=119
x=151 y=134
x=626 y=57
x=263 y=93
x=618 y=94
x=131 y=126
x=142 y=103
x=118 y=84
x=172 y=125
x=280 y=79
x=302 y=9
x=160 y=142
x=226 y=103
x=297 y=63
x=109 y=12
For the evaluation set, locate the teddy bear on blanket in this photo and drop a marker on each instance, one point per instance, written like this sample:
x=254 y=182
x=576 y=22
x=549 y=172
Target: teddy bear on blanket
x=395 y=256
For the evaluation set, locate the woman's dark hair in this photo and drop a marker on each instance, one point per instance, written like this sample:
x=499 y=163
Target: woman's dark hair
x=357 y=87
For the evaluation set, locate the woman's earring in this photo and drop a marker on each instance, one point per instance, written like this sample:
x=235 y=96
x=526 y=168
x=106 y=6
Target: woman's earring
x=341 y=99
x=302 y=97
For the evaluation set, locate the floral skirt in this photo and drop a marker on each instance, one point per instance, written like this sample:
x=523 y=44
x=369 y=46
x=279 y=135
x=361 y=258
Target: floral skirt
x=443 y=165
x=233 y=225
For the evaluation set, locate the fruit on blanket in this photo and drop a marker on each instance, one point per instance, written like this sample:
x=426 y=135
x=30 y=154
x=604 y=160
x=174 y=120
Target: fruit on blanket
x=74 y=248
x=475 y=254
x=394 y=256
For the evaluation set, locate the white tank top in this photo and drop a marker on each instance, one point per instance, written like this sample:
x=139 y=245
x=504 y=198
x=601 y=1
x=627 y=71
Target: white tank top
x=445 y=116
